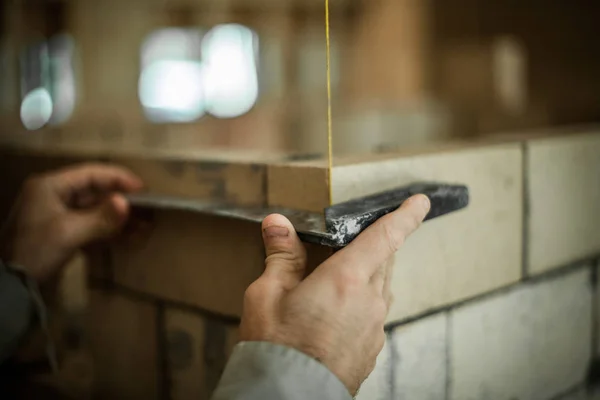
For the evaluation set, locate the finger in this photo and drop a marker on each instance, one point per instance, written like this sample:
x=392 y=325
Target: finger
x=99 y=223
x=86 y=199
x=383 y=239
x=286 y=255
x=99 y=177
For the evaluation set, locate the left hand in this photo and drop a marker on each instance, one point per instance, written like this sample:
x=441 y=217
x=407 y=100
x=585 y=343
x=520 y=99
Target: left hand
x=57 y=213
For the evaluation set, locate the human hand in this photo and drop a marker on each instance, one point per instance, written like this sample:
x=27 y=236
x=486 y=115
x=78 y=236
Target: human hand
x=337 y=313
x=59 y=212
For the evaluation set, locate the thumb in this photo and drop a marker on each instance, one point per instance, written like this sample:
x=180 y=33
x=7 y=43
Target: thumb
x=98 y=223
x=286 y=255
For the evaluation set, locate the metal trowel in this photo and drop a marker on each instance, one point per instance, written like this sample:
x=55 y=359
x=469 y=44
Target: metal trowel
x=339 y=224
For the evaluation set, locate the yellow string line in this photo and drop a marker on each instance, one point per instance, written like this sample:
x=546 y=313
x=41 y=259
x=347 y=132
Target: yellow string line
x=329 y=118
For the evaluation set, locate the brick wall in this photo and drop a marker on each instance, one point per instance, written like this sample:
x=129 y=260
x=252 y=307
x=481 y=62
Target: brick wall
x=532 y=338
x=498 y=301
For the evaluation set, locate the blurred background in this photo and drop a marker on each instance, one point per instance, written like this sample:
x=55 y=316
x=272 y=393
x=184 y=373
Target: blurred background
x=501 y=305
x=251 y=74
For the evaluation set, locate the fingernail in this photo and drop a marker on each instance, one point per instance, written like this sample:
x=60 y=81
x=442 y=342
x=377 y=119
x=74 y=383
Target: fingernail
x=425 y=203
x=276 y=231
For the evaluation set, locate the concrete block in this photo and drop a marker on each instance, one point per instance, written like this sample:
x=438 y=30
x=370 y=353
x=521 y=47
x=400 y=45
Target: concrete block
x=420 y=359
x=533 y=342
x=564 y=194
x=457 y=256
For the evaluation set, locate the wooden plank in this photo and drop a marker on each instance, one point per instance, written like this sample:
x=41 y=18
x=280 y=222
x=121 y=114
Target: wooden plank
x=221 y=182
x=198 y=260
x=215 y=177
x=302 y=186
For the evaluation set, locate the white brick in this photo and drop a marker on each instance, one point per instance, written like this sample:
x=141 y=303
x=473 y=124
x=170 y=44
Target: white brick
x=531 y=343
x=378 y=385
x=420 y=359
x=564 y=190
x=460 y=255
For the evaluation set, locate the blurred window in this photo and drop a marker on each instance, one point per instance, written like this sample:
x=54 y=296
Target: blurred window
x=47 y=82
x=187 y=73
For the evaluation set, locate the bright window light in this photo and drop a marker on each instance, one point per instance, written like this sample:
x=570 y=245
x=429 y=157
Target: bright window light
x=185 y=75
x=171 y=82
x=231 y=78
x=171 y=44
x=172 y=91
x=48 y=82
x=36 y=109
x=61 y=49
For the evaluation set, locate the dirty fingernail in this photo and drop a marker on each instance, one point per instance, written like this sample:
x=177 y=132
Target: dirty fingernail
x=276 y=231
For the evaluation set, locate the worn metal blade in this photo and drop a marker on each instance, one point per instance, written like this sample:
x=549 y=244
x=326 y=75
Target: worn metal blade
x=345 y=221
x=309 y=225
x=338 y=226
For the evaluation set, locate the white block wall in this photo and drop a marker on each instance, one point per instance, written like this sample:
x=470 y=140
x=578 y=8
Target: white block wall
x=533 y=341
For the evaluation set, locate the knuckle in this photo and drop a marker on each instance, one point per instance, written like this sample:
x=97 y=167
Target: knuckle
x=257 y=291
x=394 y=239
x=379 y=311
x=252 y=292
x=297 y=260
x=348 y=282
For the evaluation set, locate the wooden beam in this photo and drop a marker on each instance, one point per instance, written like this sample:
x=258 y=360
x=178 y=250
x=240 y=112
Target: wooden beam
x=299 y=185
x=208 y=177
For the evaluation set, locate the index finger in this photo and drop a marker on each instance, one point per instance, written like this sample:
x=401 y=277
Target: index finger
x=383 y=239
x=102 y=177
